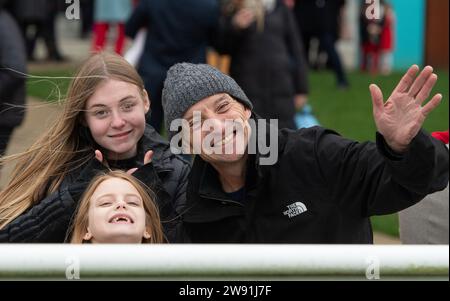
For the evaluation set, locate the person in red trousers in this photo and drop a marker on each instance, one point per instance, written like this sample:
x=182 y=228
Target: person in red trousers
x=106 y=14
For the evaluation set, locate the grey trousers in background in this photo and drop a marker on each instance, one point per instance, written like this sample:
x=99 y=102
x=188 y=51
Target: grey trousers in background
x=426 y=222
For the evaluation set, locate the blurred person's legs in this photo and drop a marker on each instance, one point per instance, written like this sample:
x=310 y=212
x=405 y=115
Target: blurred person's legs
x=386 y=62
x=100 y=32
x=30 y=31
x=306 y=39
x=87 y=17
x=364 y=57
x=120 y=41
x=327 y=42
x=49 y=35
x=375 y=57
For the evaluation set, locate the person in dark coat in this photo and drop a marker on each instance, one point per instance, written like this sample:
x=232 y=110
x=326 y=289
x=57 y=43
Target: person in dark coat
x=41 y=15
x=309 y=185
x=177 y=31
x=320 y=19
x=102 y=127
x=267 y=58
x=12 y=78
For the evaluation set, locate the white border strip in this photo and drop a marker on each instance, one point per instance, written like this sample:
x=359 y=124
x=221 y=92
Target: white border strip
x=206 y=261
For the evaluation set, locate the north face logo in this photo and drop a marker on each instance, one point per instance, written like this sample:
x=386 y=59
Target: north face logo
x=295 y=209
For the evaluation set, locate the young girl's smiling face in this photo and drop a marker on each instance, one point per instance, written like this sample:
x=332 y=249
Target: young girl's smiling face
x=116 y=214
x=115 y=115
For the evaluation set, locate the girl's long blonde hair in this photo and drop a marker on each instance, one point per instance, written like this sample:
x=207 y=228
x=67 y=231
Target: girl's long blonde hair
x=65 y=146
x=152 y=218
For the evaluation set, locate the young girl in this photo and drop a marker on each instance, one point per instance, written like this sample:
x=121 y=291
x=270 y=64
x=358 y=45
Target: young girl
x=103 y=120
x=116 y=208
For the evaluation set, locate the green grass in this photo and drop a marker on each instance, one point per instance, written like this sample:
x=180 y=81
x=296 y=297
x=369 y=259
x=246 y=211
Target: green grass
x=350 y=113
x=47 y=86
x=387 y=224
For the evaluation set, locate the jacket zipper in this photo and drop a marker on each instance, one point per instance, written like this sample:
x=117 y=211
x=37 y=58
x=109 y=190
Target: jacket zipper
x=221 y=200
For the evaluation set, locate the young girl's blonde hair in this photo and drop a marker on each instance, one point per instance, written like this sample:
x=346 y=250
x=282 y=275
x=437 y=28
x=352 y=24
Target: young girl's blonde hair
x=66 y=145
x=152 y=218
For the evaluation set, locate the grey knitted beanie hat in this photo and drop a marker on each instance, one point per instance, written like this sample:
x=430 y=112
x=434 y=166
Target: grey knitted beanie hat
x=186 y=84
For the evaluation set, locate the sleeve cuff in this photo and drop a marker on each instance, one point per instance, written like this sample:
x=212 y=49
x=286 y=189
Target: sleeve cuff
x=387 y=152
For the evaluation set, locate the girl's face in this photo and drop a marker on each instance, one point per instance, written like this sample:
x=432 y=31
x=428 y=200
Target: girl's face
x=116 y=214
x=115 y=115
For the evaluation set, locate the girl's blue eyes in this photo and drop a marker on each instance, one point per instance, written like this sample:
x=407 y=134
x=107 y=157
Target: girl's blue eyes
x=126 y=107
x=100 y=113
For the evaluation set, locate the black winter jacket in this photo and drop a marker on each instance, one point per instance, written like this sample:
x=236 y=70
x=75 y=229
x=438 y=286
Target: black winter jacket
x=49 y=220
x=323 y=189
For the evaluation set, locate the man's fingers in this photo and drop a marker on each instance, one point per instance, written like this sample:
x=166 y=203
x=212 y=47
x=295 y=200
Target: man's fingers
x=407 y=80
x=432 y=104
x=98 y=155
x=420 y=81
x=377 y=98
x=148 y=157
x=426 y=89
x=131 y=171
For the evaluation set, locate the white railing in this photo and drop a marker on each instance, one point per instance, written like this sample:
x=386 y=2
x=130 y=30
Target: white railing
x=231 y=262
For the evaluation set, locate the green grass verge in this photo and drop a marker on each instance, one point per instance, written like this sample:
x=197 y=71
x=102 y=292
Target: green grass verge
x=350 y=112
x=48 y=85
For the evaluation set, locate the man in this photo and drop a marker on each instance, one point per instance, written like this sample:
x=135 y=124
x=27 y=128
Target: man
x=322 y=188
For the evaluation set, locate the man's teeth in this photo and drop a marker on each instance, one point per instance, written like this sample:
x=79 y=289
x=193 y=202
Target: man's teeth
x=225 y=140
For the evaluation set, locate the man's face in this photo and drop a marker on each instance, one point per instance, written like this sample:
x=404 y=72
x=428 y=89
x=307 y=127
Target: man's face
x=219 y=128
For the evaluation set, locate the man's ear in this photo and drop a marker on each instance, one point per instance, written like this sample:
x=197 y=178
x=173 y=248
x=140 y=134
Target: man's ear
x=87 y=236
x=248 y=113
x=147 y=102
